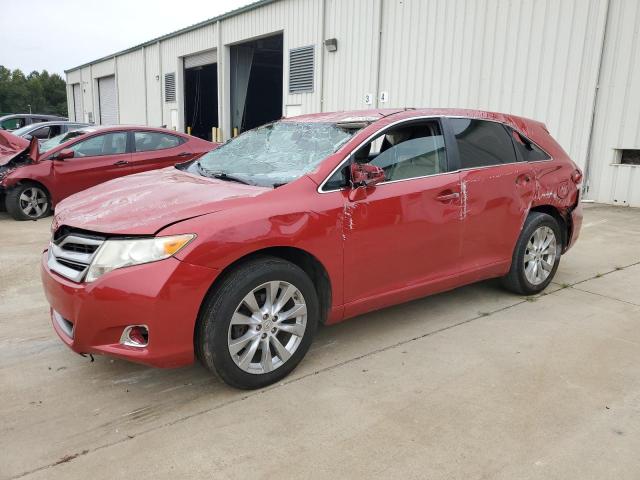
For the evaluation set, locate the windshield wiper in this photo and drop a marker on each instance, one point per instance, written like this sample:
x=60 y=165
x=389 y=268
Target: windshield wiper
x=221 y=175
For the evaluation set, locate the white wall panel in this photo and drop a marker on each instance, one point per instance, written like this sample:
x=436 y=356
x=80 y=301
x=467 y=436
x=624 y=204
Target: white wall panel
x=131 y=88
x=154 y=85
x=617 y=119
x=350 y=73
x=536 y=58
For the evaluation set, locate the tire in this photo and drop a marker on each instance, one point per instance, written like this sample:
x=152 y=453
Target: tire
x=28 y=201
x=534 y=275
x=251 y=367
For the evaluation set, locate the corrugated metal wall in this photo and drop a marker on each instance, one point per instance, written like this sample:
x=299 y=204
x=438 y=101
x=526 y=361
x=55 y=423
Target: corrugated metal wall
x=537 y=58
x=131 y=88
x=617 y=119
x=351 y=72
x=528 y=57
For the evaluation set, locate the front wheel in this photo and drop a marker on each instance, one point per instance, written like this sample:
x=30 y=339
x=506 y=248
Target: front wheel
x=28 y=201
x=536 y=256
x=258 y=324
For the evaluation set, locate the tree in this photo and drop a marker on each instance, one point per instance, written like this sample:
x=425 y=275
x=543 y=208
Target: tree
x=45 y=93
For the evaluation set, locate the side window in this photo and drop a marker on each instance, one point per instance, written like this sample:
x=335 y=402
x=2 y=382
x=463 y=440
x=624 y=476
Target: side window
x=106 y=144
x=527 y=151
x=411 y=151
x=482 y=143
x=42 y=133
x=146 y=141
x=13 y=123
x=55 y=130
x=404 y=152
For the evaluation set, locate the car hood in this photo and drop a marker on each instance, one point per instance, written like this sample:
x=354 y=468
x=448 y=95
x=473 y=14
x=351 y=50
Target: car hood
x=11 y=146
x=144 y=203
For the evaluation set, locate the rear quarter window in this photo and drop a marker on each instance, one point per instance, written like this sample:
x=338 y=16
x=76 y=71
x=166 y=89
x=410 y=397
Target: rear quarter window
x=527 y=150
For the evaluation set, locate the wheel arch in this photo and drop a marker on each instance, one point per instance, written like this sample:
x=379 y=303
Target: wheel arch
x=556 y=213
x=299 y=257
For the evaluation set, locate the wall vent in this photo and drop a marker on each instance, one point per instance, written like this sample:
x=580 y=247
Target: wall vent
x=169 y=87
x=301 y=64
x=630 y=157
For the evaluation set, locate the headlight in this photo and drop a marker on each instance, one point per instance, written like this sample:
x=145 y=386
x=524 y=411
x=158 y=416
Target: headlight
x=124 y=253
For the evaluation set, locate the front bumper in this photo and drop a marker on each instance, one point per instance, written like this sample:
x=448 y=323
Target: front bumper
x=165 y=296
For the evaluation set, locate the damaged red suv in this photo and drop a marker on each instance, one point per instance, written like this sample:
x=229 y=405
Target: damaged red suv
x=35 y=177
x=237 y=257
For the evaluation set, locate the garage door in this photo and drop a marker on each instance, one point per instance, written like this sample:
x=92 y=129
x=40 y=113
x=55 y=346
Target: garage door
x=77 y=103
x=108 y=101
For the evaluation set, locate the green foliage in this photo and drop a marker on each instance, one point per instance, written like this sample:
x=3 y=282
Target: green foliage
x=45 y=93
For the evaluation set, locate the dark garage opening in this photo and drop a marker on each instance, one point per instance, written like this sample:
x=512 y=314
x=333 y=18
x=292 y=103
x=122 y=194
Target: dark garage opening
x=201 y=100
x=256 y=82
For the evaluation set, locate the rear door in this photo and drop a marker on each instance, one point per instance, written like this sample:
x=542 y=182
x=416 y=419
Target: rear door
x=96 y=159
x=496 y=191
x=152 y=149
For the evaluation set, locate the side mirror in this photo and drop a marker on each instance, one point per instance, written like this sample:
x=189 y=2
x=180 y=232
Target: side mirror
x=65 y=153
x=28 y=136
x=365 y=175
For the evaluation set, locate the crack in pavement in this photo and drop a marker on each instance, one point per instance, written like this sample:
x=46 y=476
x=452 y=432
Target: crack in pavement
x=72 y=457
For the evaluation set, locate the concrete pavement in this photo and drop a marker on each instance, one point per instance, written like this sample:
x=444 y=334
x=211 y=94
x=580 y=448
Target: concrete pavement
x=473 y=383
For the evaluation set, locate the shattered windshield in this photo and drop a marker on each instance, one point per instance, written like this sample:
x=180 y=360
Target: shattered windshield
x=58 y=139
x=273 y=154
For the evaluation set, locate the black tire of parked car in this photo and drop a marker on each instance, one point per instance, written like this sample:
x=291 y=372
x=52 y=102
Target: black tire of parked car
x=516 y=280
x=212 y=329
x=13 y=203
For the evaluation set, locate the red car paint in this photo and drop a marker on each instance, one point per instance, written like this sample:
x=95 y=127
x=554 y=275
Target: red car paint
x=62 y=178
x=389 y=244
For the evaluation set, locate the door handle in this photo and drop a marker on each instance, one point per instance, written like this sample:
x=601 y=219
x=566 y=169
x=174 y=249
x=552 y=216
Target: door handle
x=121 y=163
x=184 y=154
x=448 y=197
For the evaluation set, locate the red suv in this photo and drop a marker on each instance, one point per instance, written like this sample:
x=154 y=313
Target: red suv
x=236 y=258
x=35 y=179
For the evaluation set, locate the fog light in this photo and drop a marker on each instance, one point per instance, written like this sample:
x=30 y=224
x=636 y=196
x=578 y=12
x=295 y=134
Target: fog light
x=135 y=336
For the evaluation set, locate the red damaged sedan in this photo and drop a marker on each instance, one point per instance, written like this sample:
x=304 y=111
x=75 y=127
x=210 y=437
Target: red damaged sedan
x=34 y=178
x=236 y=258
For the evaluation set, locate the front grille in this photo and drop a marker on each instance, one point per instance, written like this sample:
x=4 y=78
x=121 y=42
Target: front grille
x=71 y=252
x=79 y=248
x=78 y=267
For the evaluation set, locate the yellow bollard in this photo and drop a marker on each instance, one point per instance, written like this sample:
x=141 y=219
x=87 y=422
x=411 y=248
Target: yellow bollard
x=235 y=131
x=214 y=134
x=188 y=130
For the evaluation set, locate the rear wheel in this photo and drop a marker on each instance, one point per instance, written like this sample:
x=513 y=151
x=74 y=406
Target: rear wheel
x=28 y=201
x=258 y=325
x=536 y=256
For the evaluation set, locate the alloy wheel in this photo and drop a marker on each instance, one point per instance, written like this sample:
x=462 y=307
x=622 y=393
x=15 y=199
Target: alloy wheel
x=267 y=327
x=540 y=255
x=33 y=202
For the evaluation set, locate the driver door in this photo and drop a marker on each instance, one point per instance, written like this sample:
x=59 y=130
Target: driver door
x=401 y=237
x=96 y=159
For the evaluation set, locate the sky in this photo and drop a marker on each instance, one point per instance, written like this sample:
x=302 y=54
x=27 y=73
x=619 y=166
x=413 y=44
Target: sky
x=56 y=35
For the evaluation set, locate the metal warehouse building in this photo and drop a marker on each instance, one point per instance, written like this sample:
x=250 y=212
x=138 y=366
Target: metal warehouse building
x=574 y=64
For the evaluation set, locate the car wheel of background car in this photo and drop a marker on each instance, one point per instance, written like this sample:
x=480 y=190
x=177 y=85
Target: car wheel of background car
x=536 y=256
x=28 y=201
x=258 y=324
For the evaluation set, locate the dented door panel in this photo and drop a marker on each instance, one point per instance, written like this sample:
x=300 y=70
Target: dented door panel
x=401 y=235
x=495 y=202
